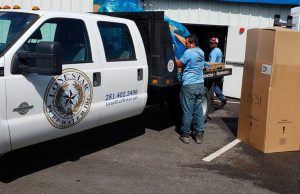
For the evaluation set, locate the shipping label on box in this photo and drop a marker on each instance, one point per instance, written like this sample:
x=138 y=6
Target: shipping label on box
x=266 y=69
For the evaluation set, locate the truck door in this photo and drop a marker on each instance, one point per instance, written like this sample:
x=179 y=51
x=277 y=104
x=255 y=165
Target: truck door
x=4 y=137
x=43 y=107
x=125 y=71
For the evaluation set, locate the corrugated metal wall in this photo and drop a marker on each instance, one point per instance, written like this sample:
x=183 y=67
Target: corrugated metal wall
x=233 y=15
x=207 y=12
x=220 y=13
x=63 y=5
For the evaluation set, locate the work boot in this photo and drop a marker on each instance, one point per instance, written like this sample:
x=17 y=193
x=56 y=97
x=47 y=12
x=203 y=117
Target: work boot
x=185 y=138
x=223 y=102
x=198 y=137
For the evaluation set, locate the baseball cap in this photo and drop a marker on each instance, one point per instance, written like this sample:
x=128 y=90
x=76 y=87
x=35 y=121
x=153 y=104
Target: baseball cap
x=214 y=40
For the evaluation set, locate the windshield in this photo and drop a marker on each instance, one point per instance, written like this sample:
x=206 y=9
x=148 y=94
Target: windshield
x=12 y=24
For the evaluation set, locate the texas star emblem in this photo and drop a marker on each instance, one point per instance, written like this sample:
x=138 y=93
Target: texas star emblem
x=68 y=98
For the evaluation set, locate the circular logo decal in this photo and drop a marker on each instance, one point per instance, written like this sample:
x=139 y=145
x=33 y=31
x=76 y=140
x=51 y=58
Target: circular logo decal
x=23 y=108
x=170 y=65
x=68 y=98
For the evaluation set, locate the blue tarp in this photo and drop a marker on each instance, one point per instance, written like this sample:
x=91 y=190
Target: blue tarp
x=132 y=6
x=281 y=2
x=99 y=2
x=178 y=28
x=120 y=6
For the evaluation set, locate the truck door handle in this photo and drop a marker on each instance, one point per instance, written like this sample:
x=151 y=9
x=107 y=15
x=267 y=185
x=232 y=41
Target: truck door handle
x=96 y=79
x=140 y=74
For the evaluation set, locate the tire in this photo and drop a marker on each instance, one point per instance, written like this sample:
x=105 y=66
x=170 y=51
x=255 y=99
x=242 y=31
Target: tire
x=206 y=104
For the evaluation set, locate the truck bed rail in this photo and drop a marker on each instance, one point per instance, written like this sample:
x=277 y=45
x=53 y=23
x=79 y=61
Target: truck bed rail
x=217 y=73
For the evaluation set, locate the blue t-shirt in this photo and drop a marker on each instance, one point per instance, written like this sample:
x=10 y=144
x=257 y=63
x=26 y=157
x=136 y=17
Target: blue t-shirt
x=193 y=60
x=216 y=55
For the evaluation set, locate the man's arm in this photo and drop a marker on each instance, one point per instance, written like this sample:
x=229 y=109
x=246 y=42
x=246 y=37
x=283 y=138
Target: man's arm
x=206 y=66
x=180 y=38
x=178 y=63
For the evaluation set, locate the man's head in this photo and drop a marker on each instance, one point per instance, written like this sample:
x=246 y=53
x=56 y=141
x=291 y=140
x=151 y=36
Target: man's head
x=192 y=41
x=213 y=42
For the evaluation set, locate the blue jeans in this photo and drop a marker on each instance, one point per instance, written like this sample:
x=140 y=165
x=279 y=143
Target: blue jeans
x=191 y=98
x=219 y=93
x=218 y=90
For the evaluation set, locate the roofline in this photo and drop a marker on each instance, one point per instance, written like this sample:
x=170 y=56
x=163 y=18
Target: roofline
x=44 y=12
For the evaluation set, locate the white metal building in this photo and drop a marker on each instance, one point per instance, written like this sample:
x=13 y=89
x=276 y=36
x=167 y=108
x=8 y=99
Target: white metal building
x=228 y=17
x=205 y=18
x=65 y=5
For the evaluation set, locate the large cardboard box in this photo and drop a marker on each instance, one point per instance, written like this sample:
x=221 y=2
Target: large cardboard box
x=269 y=118
x=214 y=66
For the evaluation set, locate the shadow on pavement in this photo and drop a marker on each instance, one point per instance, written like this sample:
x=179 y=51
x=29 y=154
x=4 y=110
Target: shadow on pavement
x=70 y=148
x=277 y=172
x=232 y=124
x=160 y=117
x=34 y=158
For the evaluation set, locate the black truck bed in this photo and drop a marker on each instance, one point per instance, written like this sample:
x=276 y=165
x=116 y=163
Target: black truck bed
x=157 y=40
x=158 y=45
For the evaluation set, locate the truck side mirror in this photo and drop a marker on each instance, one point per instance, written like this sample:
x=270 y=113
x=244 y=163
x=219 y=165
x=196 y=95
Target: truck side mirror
x=48 y=60
x=45 y=61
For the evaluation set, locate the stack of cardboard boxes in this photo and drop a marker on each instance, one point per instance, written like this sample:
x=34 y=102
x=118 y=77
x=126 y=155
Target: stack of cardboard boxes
x=269 y=117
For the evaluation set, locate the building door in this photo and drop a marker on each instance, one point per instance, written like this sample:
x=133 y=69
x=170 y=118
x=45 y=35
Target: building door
x=205 y=32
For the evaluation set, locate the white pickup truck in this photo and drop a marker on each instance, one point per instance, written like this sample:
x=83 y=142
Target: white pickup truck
x=61 y=73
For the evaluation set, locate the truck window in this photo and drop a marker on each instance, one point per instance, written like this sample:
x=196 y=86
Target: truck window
x=4 y=33
x=70 y=33
x=12 y=25
x=117 y=41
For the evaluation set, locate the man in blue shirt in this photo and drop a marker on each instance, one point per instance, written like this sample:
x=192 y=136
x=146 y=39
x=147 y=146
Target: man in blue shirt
x=192 y=91
x=216 y=55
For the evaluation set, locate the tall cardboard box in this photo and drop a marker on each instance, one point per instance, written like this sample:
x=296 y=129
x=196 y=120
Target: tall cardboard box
x=269 y=118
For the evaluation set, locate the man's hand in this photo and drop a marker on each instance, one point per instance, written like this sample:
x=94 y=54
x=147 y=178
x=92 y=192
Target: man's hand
x=207 y=69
